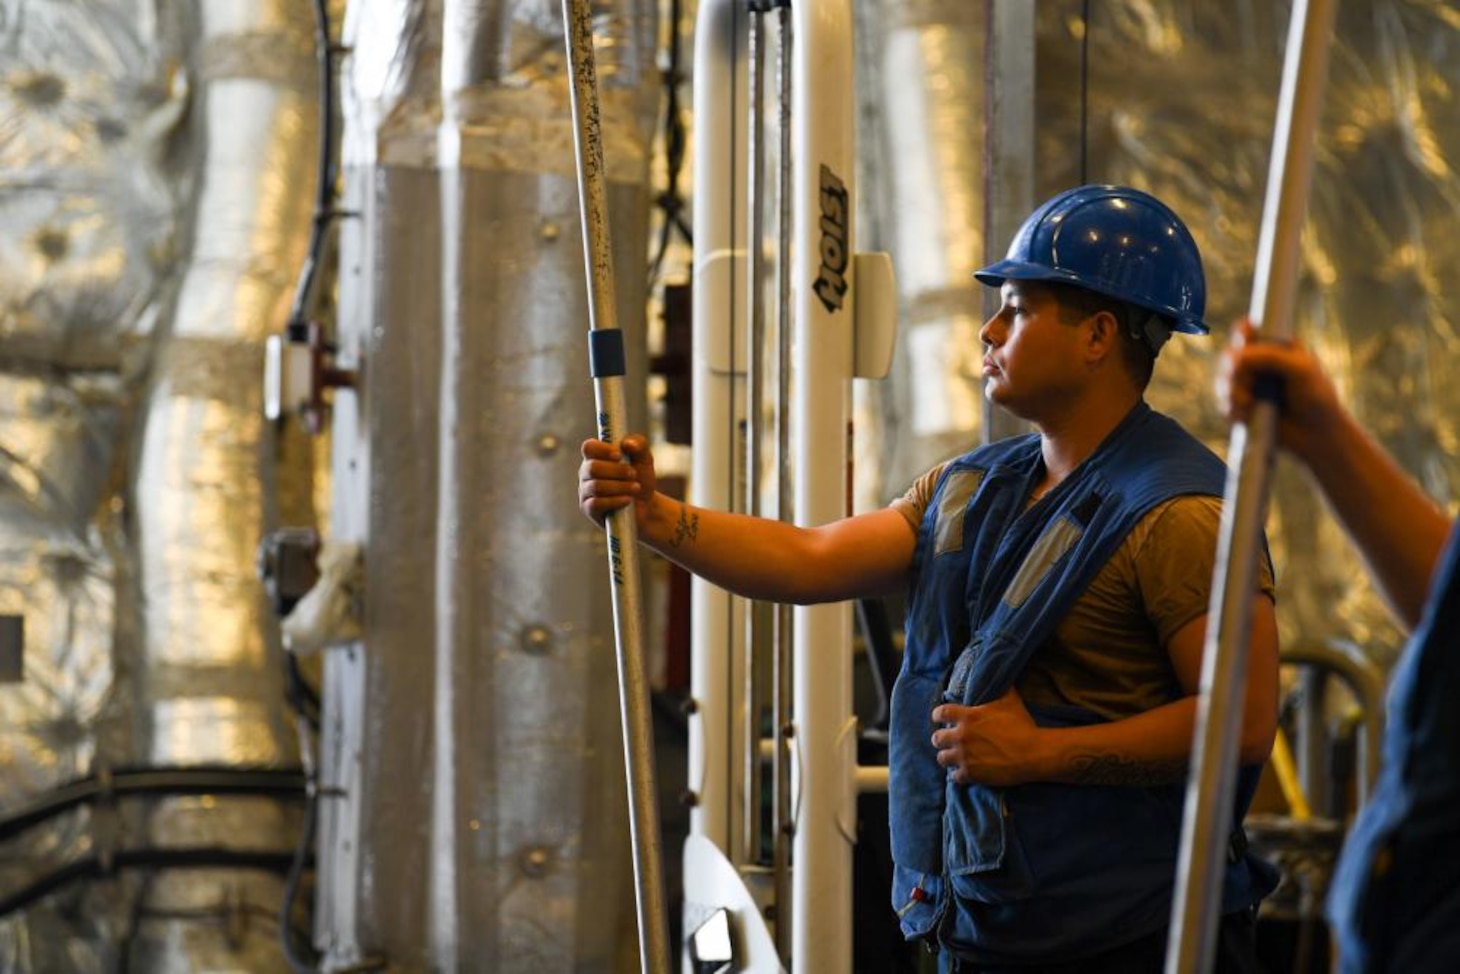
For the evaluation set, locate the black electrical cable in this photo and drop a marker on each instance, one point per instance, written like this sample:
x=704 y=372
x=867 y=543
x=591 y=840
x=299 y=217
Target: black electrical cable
x=670 y=201
x=298 y=962
x=134 y=923
x=95 y=867
x=324 y=201
x=283 y=783
x=1084 y=92
x=302 y=697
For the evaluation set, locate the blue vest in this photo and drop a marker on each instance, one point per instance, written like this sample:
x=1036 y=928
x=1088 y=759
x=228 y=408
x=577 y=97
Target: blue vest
x=1040 y=871
x=1395 y=902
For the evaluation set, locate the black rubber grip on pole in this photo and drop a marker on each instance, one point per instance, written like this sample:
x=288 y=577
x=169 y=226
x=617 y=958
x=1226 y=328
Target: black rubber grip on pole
x=1268 y=387
x=606 y=352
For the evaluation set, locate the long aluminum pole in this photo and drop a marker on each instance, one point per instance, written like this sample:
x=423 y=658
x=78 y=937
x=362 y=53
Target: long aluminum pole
x=783 y=631
x=759 y=613
x=607 y=354
x=1207 y=826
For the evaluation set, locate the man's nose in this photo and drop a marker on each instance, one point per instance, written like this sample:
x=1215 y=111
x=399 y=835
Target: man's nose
x=986 y=333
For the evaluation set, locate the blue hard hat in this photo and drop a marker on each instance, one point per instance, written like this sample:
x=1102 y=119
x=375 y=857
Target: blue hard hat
x=1116 y=241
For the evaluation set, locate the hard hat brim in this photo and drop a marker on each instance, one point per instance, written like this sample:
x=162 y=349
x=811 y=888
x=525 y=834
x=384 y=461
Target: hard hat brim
x=994 y=275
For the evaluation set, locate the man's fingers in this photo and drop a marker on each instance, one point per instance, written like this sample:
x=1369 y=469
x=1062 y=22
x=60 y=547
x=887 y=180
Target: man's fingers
x=607 y=470
x=599 y=450
x=953 y=761
x=606 y=505
x=623 y=490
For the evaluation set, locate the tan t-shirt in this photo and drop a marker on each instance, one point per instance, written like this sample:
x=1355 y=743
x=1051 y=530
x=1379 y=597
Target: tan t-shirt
x=1108 y=654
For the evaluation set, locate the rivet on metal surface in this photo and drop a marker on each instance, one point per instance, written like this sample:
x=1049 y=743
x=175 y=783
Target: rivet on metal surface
x=536 y=639
x=550 y=230
x=548 y=444
x=535 y=861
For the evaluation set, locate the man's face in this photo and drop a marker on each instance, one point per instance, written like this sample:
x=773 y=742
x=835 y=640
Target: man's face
x=1032 y=359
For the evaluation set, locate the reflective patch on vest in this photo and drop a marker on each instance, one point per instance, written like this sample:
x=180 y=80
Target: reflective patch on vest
x=1059 y=537
x=958 y=487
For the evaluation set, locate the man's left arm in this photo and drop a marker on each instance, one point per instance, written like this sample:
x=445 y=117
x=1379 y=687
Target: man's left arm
x=999 y=744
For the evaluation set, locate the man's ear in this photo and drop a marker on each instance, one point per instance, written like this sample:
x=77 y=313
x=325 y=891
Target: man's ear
x=1104 y=336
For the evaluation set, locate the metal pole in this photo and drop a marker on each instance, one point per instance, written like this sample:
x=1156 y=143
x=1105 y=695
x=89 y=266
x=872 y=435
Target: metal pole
x=607 y=360
x=759 y=613
x=1008 y=189
x=783 y=630
x=1207 y=825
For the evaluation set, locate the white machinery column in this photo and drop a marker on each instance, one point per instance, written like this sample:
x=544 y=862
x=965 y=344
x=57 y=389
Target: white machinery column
x=831 y=341
x=823 y=343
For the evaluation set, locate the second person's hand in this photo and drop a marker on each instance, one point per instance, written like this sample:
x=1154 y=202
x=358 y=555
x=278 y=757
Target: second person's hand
x=1310 y=404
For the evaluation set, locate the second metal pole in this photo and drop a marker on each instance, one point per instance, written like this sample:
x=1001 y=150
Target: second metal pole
x=1207 y=826
x=607 y=354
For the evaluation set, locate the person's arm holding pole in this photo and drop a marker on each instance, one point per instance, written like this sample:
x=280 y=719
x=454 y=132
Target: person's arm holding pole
x=1397 y=527
x=607 y=363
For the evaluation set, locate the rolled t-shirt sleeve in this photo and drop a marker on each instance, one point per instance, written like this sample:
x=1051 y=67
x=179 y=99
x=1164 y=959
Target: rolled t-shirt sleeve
x=913 y=504
x=1175 y=559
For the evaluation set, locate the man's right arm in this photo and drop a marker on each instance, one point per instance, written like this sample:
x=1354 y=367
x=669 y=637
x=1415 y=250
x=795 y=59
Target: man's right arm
x=865 y=555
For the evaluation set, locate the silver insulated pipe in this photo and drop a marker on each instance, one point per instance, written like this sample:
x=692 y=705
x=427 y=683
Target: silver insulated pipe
x=485 y=820
x=148 y=244
x=376 y=744
x=529 y=863
x=208 y=482
x=90 y=218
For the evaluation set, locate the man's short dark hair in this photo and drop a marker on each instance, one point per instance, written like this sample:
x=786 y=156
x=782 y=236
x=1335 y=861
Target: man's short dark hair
x=1135 y=350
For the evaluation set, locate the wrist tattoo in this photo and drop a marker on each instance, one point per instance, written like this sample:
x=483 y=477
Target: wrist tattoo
x=1118 y=769
x=687 y=529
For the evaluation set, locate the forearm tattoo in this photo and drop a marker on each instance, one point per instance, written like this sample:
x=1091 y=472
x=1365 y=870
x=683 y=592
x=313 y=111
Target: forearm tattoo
x=687 y=529
x=1119 y=769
